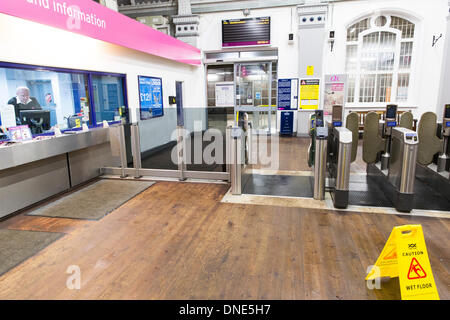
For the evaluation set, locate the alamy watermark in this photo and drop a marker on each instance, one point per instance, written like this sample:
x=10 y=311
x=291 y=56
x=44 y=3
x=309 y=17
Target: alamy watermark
x=73 y=282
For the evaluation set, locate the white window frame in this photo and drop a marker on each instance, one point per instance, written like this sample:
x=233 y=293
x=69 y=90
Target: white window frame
x=395 y=71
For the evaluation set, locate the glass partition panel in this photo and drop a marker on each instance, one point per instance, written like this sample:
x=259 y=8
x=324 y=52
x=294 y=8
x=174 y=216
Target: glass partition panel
x=206 y=143
x=158 y=141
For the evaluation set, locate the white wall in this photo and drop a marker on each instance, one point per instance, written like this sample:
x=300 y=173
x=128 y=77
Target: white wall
x=280 y=24
x=47 y=46
x=427 y=60
x=431 y=20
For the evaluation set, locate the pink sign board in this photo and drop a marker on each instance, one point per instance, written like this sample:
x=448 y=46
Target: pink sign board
x=91 y=19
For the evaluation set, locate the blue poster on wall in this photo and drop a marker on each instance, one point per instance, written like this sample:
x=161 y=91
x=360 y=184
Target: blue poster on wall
x=150 y=97
x=287 y=94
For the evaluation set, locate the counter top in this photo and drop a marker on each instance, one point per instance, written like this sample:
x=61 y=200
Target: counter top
x=19 y=154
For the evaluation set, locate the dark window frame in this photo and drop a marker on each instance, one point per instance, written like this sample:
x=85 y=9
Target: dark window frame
x=89 y=74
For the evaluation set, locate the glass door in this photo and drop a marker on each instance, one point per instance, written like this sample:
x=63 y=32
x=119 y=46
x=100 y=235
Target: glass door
x=253 y=96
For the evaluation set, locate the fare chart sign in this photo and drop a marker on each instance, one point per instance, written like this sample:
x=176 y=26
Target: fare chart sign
x=150 y=97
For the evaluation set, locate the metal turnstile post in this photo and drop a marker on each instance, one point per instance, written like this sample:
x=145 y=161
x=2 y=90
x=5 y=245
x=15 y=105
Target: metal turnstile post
x=443 y=157
x=320 y=162
x=118 y=148
x=236 y=161
x=385 y=156
x=344 y=138
x=123 y=151
x=181 y=151
x=136 y=150
x=228 y=149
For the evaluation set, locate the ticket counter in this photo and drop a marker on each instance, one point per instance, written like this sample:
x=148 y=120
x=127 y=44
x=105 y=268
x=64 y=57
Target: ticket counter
x=33 y=171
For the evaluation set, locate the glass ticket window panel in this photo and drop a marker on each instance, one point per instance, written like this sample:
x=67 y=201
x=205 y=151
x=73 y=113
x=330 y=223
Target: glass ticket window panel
x=63 y=98
x=108 y=98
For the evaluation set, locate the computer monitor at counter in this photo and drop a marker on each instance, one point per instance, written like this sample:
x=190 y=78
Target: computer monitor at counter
x=37 y=120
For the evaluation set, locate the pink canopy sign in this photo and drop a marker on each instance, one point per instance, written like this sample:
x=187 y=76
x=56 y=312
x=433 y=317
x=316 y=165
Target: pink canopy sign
x=91 y=19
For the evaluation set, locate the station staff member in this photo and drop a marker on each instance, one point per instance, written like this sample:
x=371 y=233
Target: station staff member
x=23 y=101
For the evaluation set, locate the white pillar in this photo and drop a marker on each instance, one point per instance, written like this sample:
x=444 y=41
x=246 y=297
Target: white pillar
x=311 y=39
x=186 y=23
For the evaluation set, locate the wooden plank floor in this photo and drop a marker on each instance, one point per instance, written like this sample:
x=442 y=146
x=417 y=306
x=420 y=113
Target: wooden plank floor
x=177 y=241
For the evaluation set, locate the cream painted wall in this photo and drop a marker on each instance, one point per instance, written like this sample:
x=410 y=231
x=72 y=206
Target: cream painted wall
x=281 y=25
x=430 y=17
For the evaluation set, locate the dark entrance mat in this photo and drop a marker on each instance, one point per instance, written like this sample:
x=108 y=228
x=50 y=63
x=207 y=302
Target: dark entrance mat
x=17 y=246
x=94 y=201
x=368 y=191
x=279 y=185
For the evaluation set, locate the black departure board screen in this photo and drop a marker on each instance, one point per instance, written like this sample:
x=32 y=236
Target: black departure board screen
x=246 y=32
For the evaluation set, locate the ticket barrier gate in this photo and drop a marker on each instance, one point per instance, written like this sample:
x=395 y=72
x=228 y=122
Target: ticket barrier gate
x=331 y=145
x=433 y=141
x=399 y=171
x=319 y=158
x=339 y=159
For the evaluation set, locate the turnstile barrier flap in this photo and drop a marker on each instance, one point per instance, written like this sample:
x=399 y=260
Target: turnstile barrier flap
x=352 y=123
x=429 y=143
x=372 y=142
x=406 y=120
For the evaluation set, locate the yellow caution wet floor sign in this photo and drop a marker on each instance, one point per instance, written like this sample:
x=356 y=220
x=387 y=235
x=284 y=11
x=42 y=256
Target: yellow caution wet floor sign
x=405 y=256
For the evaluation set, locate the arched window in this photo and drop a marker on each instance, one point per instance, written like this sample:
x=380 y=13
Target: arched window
x=378 y=59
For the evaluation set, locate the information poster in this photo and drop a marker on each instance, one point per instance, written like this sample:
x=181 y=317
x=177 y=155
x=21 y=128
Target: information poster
x=309 y=94
x=7 y=116
x=287 y=94
x=335 y=91
x=150 y=97
x=224 y=94
x=20 y=133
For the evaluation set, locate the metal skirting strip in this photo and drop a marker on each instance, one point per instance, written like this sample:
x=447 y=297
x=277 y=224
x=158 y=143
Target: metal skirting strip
x=143 y=172
x=168 y=173
x=207 y=175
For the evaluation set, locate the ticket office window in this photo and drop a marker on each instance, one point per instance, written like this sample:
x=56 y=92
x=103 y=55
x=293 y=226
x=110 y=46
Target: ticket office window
x=45 y=97
x=108 y=97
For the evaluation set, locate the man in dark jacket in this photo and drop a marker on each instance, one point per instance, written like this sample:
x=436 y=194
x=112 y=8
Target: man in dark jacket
x=23 y=101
